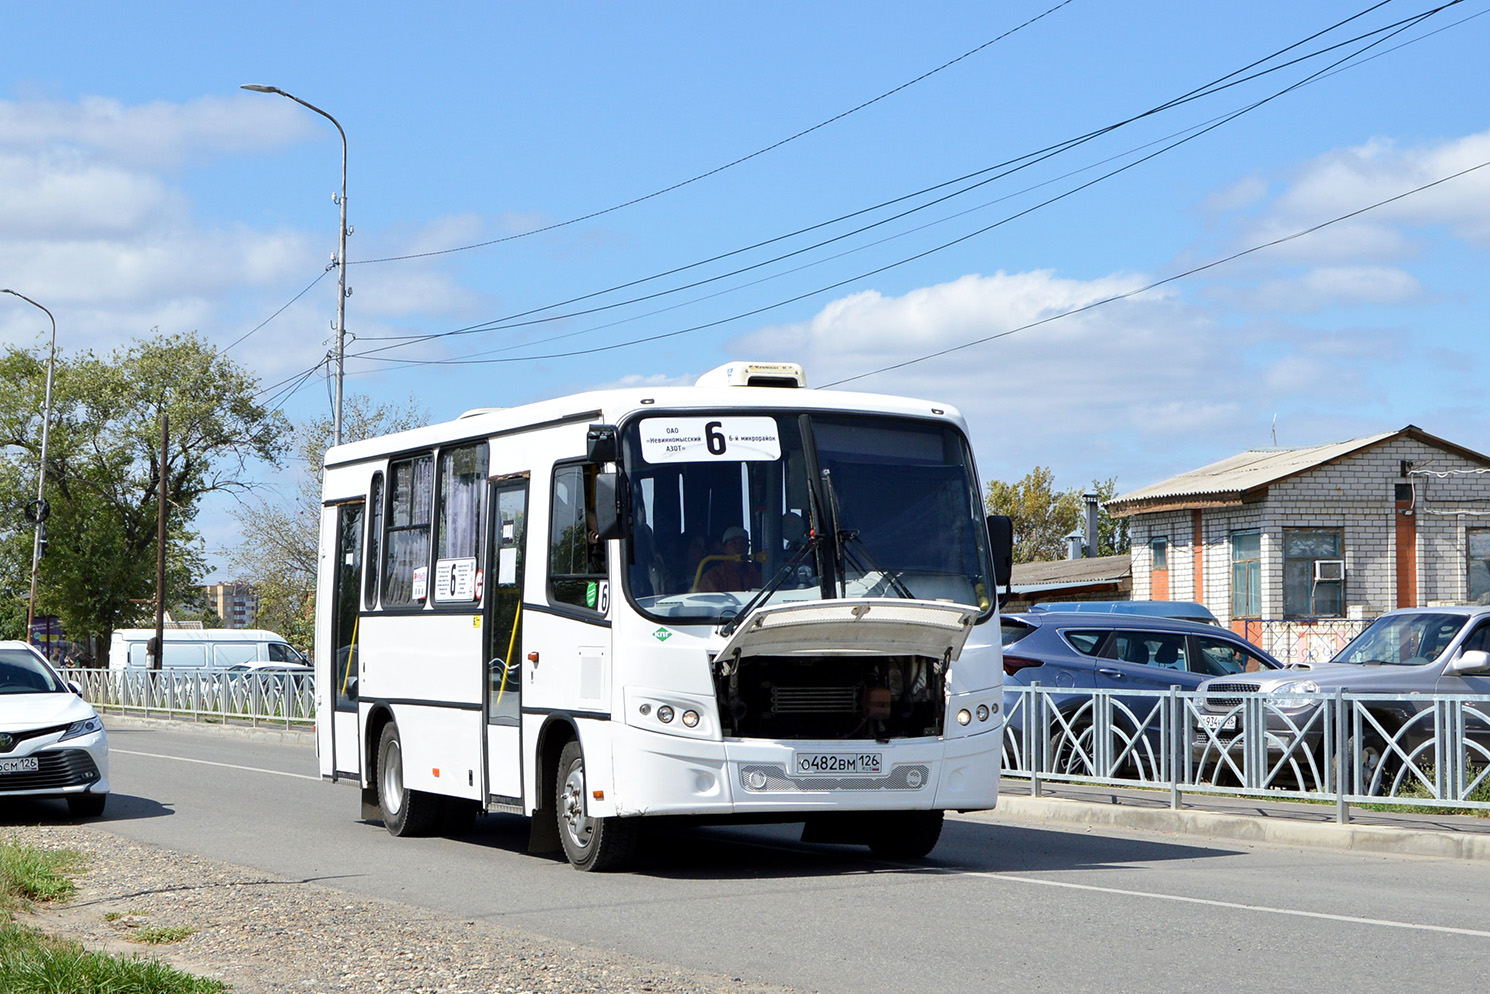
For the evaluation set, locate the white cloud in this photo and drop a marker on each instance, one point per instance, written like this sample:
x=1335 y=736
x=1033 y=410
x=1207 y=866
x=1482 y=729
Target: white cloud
x=156 y=135
x=1325 y=286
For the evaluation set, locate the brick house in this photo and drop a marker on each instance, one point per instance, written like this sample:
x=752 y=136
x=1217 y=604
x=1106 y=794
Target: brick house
x=1298 y=548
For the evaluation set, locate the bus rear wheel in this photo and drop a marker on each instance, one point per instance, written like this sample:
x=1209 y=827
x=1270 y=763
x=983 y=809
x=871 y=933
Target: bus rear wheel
x=405 y=811
x=590 y=843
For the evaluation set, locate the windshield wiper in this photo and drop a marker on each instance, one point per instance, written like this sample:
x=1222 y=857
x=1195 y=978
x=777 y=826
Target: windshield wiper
x=764 y=594
x=868 y=562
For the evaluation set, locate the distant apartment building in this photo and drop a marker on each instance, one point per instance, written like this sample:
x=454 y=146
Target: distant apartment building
x=235 y=602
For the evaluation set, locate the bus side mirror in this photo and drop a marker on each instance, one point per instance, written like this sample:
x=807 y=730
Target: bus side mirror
x=600 y=444
x=1001 y=544
x=610 y=506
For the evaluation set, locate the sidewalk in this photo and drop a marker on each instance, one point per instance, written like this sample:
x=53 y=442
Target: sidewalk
x=1247 y=819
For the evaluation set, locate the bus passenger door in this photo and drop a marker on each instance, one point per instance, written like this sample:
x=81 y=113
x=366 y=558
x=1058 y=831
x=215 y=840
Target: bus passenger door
x=503 y=641
x=346 y=593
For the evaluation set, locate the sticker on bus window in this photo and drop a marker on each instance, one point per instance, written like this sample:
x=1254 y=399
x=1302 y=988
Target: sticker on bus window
x=421 y=581
x=722 y=439
x=455 y=580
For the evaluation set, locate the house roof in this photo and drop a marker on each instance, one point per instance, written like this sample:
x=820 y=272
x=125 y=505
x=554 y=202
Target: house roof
x=1248 y=474
x=1066 y=574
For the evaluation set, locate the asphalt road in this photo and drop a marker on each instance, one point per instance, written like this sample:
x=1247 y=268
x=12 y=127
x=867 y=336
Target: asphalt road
x=1001 y=906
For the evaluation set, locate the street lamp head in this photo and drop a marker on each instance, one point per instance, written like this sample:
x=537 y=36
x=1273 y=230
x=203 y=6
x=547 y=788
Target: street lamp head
x=260 y=89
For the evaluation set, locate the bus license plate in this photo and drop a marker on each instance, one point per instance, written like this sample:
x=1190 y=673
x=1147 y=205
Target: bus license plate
x=1217 y=722
x=836 y=764
x=23 y=764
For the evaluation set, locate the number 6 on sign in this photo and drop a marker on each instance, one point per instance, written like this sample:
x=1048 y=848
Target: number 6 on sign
x=746 y=439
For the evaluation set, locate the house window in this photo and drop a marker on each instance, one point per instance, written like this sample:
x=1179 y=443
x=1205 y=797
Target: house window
x=1246 y=574
x=1313 y=572
x=1479 y=565
x=1159 y=568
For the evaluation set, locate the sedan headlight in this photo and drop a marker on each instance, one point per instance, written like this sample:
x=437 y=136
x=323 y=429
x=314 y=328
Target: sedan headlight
x=1282 y=695
x=85 y=727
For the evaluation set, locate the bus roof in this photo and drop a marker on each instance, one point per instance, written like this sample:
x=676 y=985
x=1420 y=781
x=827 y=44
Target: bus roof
x=610 y=406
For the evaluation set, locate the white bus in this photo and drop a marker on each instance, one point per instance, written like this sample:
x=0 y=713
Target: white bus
x=742 y=600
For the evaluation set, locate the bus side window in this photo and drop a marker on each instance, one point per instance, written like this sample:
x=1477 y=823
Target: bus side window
x=374 y=541
x=576 y=563
x=406 y=578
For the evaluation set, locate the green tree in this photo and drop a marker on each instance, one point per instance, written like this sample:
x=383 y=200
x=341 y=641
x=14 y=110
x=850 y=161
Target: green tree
x=1043 y=516
x=104 y=472
x=278 y=553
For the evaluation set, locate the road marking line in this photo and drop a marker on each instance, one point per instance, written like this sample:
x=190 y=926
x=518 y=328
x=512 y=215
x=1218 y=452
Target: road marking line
x=226 y=766
x=1228 y=905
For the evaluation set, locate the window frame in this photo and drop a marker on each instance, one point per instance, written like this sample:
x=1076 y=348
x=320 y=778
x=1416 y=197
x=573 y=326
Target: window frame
x=390 y=529
x=1290 y=606
x=562 y=602
x=1470 y=561
x=1252 y=572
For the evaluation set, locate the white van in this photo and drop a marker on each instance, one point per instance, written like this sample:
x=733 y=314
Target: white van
x=201 y=648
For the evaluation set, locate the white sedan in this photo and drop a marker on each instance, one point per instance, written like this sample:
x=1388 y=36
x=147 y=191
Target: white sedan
x=52 y=743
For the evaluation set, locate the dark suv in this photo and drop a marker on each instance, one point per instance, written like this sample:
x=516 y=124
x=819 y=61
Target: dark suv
x=1070 y=654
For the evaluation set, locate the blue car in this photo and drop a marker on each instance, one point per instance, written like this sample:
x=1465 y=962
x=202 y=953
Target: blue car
x=1070 y=653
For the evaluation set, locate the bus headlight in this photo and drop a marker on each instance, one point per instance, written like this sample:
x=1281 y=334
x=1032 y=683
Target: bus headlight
x=690 y=718
x=664 y=714
x=964 y=717
x=982 y=712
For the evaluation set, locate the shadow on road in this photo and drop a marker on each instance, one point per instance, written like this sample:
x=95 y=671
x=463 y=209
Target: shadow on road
x=53 y=811
x=678 y=850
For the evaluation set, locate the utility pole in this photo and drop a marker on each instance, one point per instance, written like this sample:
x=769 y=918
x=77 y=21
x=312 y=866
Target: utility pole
x=38 y=511
x=160 y=550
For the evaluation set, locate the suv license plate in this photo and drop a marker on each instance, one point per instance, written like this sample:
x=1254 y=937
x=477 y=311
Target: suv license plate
x=23 y=764
x=834 y=764
x=1217 y=722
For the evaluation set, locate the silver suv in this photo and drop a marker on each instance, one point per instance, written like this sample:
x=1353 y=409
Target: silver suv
x=1403 y=654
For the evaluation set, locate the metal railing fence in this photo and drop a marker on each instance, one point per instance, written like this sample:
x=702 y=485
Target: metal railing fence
x=1419 y=751
x=286 y=699
x=1307 y=640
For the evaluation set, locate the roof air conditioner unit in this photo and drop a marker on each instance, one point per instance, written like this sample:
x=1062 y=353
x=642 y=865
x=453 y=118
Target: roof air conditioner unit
x=1329 y=569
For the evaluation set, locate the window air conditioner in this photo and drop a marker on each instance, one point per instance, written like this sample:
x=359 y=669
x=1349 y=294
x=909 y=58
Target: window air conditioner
x=1329 y=569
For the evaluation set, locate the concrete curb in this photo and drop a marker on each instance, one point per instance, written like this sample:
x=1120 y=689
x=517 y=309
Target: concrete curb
x=1244 y=828
x=123 y=719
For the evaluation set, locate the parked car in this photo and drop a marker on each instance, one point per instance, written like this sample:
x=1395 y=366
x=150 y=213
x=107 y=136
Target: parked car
x=52 y=743
x=200 y=648
x=272 y=681
x=1408 y=652
x=1072 y=653
x=1181 y=610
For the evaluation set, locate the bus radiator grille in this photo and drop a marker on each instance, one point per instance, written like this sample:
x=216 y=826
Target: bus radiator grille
x=903 y=776
x=814 y=700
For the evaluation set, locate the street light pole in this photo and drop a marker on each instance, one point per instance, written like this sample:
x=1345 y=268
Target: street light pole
x=341 y=255
x=41 y=469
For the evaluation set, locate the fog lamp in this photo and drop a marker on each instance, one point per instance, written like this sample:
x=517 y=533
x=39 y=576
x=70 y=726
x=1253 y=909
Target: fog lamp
x=982 y=712
x=664 y=714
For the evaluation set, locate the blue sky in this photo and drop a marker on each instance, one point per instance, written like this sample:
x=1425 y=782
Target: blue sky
x=140 y=188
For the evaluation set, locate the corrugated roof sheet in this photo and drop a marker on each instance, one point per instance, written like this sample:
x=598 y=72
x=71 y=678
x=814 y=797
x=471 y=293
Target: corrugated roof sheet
x=1072 y=572
x=1247 y=471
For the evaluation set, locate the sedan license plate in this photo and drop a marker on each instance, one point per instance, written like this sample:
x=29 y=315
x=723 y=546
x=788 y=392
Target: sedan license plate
x=834 y=764
x=1217 y=722
x=22 y=764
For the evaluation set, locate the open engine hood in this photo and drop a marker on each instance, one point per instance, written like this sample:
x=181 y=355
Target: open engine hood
x=858 y=626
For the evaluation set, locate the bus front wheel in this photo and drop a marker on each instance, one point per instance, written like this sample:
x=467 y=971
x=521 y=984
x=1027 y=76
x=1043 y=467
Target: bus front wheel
x=590 y=843
x=405 y=811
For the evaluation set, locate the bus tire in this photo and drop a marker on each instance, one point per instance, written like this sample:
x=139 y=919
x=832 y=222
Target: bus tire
x=905 y=834
x=589 y=843
x=405 y=811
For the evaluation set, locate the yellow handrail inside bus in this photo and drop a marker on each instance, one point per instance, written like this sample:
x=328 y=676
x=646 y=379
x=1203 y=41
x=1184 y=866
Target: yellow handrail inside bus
x=507 y=660
x=351 y=654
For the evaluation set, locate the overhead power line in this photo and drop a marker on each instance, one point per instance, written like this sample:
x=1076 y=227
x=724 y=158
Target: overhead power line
x=1395 y=29
x=1162 y=282
x=728 y=165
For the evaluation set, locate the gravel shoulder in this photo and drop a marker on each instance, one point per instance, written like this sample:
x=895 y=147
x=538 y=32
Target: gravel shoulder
x=266 y=935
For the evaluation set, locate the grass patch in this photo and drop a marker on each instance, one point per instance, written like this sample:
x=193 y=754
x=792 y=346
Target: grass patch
x=29 y=873
x=158 y=935
x=32 y=963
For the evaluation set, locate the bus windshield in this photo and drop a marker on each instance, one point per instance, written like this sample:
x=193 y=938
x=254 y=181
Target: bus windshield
x=816 y=505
